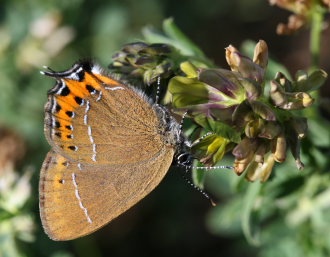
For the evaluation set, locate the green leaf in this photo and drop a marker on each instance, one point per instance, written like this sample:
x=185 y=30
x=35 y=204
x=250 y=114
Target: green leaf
x=153 y=36
x=184 y=43
x=189 y=69
x=175 y=37
x=218 y=128
x=319 y=132
x=187 y=91
x=247 y=211
x=225 y=219
x=198 y=175
x=61 y=253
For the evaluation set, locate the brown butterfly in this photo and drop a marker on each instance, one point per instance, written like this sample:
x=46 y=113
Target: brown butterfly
x=111 y=146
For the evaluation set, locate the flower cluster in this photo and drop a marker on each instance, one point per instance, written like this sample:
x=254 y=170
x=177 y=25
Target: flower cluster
x=302 y=10
x=258 y=125
x=142 y=60
x=237 y=109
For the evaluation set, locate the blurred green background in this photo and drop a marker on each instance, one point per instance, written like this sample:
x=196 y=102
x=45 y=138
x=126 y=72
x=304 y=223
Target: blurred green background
x=174 y=220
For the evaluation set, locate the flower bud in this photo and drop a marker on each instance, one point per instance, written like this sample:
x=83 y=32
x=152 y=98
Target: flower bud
x=289 y=101
x=213 y=93
x=262 y=149
x=282 y=80
x=253 y=127
x=244 y=65
x=211 y=149
x=299 y=7
x=295 y=22
x=182 y=86
x=301 y=75
x=263 y=110
x=189 y=69
x=270 y=130
x=242 y=114
x=241 y=164
x=299 y=125
x=225 y=81
x=252 y=89
x=326 y=3
x=279 y=148
x=295 y=149
x=277 y=94
x=252 y=171
x=302 y=11
x=244 y=148
x=260 y=171
x=146 y=61
x=310 y=82
x=260 y=56
x=156 y=50
x=298 y=101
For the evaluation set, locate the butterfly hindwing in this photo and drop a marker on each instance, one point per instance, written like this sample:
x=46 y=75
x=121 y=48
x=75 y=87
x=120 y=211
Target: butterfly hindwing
x=76 y=199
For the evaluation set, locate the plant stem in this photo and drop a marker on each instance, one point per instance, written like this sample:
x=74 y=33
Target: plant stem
x=315 y=37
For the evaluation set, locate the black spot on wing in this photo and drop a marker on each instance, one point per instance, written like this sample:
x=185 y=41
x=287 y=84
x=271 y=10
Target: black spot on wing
x=65 y=91
x=90 y=89
x=78 y=100
x=69 y=114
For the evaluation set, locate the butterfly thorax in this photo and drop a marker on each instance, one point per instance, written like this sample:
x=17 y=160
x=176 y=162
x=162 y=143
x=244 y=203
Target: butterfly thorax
x=169 y=128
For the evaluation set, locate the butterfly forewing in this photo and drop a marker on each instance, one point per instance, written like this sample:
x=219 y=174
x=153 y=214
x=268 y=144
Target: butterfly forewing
x=98 y=120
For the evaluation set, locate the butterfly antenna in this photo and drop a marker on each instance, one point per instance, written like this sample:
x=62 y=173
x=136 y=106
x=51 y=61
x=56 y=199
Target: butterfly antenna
x=187 y=163
x=201 y=138
x=158 y=90
x=50 y=72
x=182 y=121
x=48 y=68
x=197 y=188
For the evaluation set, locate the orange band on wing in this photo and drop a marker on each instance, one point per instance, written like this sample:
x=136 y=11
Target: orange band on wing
x=77 y=88
x=90 y=80
x=107 y=80
x=68 y=103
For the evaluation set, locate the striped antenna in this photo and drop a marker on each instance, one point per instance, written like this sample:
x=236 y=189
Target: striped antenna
x=185 y=160
x=182 y=120
x=197 y=188
x=202 y=137
x=158 y=90
x=187 y=164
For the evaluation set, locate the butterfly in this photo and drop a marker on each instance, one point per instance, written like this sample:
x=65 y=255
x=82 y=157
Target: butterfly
x=111 y=146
